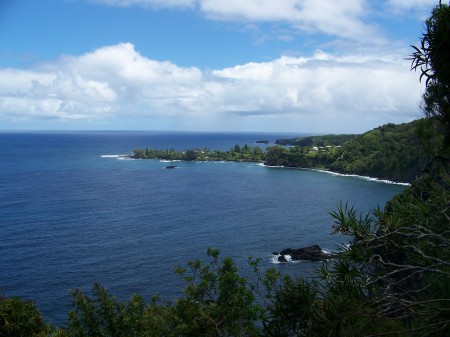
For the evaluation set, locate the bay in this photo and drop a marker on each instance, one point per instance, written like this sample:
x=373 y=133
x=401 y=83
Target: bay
x=72 y=212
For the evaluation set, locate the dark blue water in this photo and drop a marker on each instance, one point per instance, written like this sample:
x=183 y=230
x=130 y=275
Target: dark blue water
x=70 y=216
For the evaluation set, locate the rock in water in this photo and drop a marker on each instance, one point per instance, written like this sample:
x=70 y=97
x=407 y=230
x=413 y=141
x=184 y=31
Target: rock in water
x=311 y=253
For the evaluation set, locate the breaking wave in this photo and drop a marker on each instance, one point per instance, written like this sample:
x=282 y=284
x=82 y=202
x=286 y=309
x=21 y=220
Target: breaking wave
x=384 y=181
x=116 y=156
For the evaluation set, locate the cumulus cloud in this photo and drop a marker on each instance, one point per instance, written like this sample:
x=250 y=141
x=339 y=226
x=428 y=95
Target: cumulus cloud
x=118 y=82
x=105 y=82
x=348 y=85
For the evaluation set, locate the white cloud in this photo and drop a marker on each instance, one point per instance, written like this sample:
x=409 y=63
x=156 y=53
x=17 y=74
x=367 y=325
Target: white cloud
x=102 y=83
x=71 y=86
x=338 y=18
x=349 y=85
x=117 y=82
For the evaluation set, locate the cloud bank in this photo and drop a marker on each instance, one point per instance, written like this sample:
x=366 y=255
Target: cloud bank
x=322 y=90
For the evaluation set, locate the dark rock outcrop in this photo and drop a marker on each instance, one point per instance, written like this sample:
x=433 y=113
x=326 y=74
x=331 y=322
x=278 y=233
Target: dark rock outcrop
x=311 y=253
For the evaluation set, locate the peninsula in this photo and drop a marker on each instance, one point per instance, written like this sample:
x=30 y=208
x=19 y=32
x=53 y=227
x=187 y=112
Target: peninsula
x=392 y=152
x=246 y=153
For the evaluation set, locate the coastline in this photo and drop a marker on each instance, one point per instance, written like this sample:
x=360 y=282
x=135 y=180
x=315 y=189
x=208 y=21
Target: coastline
x=260 y=163
x=368 y=178
x=384 y=181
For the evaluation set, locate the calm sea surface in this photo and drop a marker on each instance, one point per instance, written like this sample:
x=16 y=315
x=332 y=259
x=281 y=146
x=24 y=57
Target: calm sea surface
x=71 y=213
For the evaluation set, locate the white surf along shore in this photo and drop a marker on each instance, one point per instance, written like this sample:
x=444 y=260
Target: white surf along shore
x=384 y=181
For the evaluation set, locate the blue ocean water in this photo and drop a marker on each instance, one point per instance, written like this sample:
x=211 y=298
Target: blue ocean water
x=72 y=213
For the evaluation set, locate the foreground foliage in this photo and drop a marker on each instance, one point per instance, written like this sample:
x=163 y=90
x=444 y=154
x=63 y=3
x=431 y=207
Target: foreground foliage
x=21 y=318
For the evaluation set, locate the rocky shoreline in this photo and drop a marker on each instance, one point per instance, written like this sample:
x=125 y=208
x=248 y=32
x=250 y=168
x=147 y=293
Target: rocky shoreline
x=310 y=253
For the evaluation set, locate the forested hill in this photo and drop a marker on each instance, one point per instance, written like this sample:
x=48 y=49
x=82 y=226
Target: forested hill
x=391 y=151
x=334 y=140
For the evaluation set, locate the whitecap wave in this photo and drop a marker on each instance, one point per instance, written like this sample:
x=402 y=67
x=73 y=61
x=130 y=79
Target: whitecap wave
x=168 y=161
x=384 y=181
x=274 y=259
x=262 y=164
x=326 y=251
x=117 y=156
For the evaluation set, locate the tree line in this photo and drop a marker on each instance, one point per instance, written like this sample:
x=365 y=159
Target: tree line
x=246 y=153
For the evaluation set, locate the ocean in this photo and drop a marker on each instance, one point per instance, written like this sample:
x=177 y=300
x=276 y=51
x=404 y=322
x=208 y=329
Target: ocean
x=73 y=212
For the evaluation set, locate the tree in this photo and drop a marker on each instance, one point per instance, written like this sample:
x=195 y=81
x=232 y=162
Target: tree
x=393 y=279
x=104 y=315
x=274 y=156
x=19 y=317
x=217 y=302
x=432 y=59
x=191 y=155
x=396 y=271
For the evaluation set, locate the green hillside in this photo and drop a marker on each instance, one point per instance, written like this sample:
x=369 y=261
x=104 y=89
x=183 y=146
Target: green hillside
x=323 y=140
x=391 y=151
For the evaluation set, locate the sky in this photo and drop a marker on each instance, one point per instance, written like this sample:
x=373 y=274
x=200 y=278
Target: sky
x=306 y=66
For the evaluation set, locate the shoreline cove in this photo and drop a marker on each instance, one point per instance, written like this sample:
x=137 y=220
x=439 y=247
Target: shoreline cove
x=384 y=181
x=368 y=178
x=378 y=180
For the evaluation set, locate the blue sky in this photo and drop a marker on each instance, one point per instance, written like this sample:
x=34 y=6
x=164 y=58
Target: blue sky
x=320 y=66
